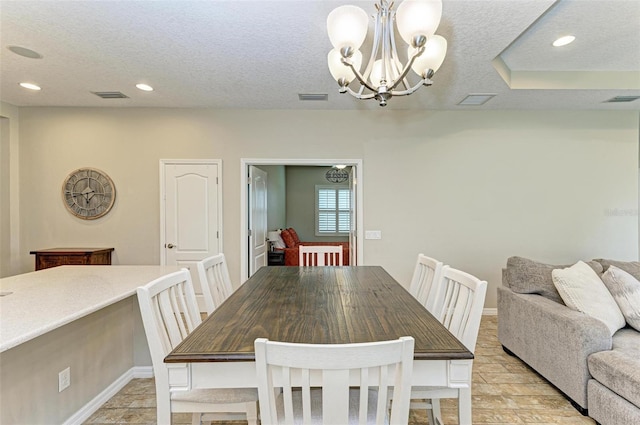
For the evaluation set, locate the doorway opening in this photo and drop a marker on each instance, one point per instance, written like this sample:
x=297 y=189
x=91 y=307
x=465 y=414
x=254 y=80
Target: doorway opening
x=247 y=244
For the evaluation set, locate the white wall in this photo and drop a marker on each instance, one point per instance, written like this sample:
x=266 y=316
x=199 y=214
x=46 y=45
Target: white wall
x=470 y=188
x=5 y=222
x=9 y=190
x=540 y=186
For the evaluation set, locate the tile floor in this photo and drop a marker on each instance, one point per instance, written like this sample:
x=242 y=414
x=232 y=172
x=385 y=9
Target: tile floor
x=505 y=392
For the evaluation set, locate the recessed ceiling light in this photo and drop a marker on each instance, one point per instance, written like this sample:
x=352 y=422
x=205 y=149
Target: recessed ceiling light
x=476 y=99
x=30 y=86
x=144 y=87
x=563 y=41
x=24 y=52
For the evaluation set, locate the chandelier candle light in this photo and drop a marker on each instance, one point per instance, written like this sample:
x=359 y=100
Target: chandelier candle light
x=416 y=20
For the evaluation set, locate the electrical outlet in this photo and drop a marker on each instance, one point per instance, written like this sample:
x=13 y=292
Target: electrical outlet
x=64 y=379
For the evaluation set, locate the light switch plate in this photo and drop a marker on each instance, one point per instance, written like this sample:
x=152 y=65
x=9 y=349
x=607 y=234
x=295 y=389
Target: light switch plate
x=373 y=234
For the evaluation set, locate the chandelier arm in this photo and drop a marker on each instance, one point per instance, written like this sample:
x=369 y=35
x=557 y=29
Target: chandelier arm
x=374 y=49
x=385 y=71
x=407 y=67
x=425 y=81
x=357 y=74
x=359 y=95
x=397 y=62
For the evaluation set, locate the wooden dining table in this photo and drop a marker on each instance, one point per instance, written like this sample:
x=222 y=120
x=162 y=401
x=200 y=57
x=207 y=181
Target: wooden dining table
x=319 y=305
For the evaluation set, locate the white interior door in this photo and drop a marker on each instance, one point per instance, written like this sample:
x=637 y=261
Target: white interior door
x=190 y=216
x=257 y=219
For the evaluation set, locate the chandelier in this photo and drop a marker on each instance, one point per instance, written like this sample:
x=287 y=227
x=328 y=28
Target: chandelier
x=384 y=75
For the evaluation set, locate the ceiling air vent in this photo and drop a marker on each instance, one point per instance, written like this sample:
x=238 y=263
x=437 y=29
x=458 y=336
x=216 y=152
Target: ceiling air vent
x=619 y=99
x=110 y=94
x=313 y=96
x=477 y=99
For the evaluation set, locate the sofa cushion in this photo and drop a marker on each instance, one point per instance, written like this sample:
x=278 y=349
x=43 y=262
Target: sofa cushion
x=626 y=291
x=526 y=276
x=582 y=289
x=631 y=267
x=619 y=368
x=607 y=407
x=287 y=238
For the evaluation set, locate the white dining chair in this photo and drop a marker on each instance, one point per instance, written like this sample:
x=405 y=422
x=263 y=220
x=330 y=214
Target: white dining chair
x=215 y=281
x=320 y=255
x=169 y=313
x=424 y=284
x=334 y=383
x=459 y=309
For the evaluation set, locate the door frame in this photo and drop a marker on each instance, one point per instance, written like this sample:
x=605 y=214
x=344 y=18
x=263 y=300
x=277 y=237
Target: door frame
x=244 y=181
x=163 y=196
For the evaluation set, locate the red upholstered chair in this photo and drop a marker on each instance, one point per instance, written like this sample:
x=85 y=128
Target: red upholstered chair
x=288 y=239
x=294 y=234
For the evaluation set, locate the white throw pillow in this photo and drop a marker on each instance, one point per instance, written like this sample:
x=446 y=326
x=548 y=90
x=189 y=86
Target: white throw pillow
x=581 y=289
x=626 y=291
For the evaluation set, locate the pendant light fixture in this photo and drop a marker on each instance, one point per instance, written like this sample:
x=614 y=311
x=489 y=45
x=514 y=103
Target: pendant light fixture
x=385 y=76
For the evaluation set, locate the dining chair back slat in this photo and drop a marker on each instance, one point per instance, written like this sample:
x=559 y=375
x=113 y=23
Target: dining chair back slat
x=320 y=255
x=334 y=383
x=215 y=281
x=175 y=316
x=425 y=280
x=461 y=304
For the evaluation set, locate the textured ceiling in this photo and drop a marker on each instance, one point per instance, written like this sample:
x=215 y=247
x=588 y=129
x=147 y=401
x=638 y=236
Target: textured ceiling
x=262 y=54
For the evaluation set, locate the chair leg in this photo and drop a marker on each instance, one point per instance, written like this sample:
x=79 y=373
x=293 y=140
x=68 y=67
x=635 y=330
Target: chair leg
x=163 y=409
x=204 y=420
x=195 y=419
x=432 y=408
x=434 y=414
x=464 y=406
x=252 y=413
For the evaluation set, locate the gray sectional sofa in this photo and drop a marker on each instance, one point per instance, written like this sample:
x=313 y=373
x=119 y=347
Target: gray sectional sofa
x=576 y=353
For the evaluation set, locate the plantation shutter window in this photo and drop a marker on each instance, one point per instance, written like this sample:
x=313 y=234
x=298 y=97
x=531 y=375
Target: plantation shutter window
x=333 y=205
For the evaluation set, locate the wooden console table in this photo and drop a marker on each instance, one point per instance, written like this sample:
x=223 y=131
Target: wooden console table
x=53 y=257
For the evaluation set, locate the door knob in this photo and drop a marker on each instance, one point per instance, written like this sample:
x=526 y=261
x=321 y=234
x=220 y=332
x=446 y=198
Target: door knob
x=170 y=246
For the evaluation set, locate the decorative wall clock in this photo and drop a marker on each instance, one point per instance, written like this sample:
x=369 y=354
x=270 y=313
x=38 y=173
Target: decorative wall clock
x=337 y=175
x=88 y=193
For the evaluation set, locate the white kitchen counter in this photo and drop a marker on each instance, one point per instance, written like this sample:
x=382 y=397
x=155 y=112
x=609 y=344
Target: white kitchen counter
x=48 y=299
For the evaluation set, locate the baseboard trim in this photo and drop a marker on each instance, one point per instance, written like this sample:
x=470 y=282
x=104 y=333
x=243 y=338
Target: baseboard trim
x=142 y=372
x=490 y=312
x=92 y=406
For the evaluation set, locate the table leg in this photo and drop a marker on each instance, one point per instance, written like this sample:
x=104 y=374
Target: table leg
x=464 y=406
